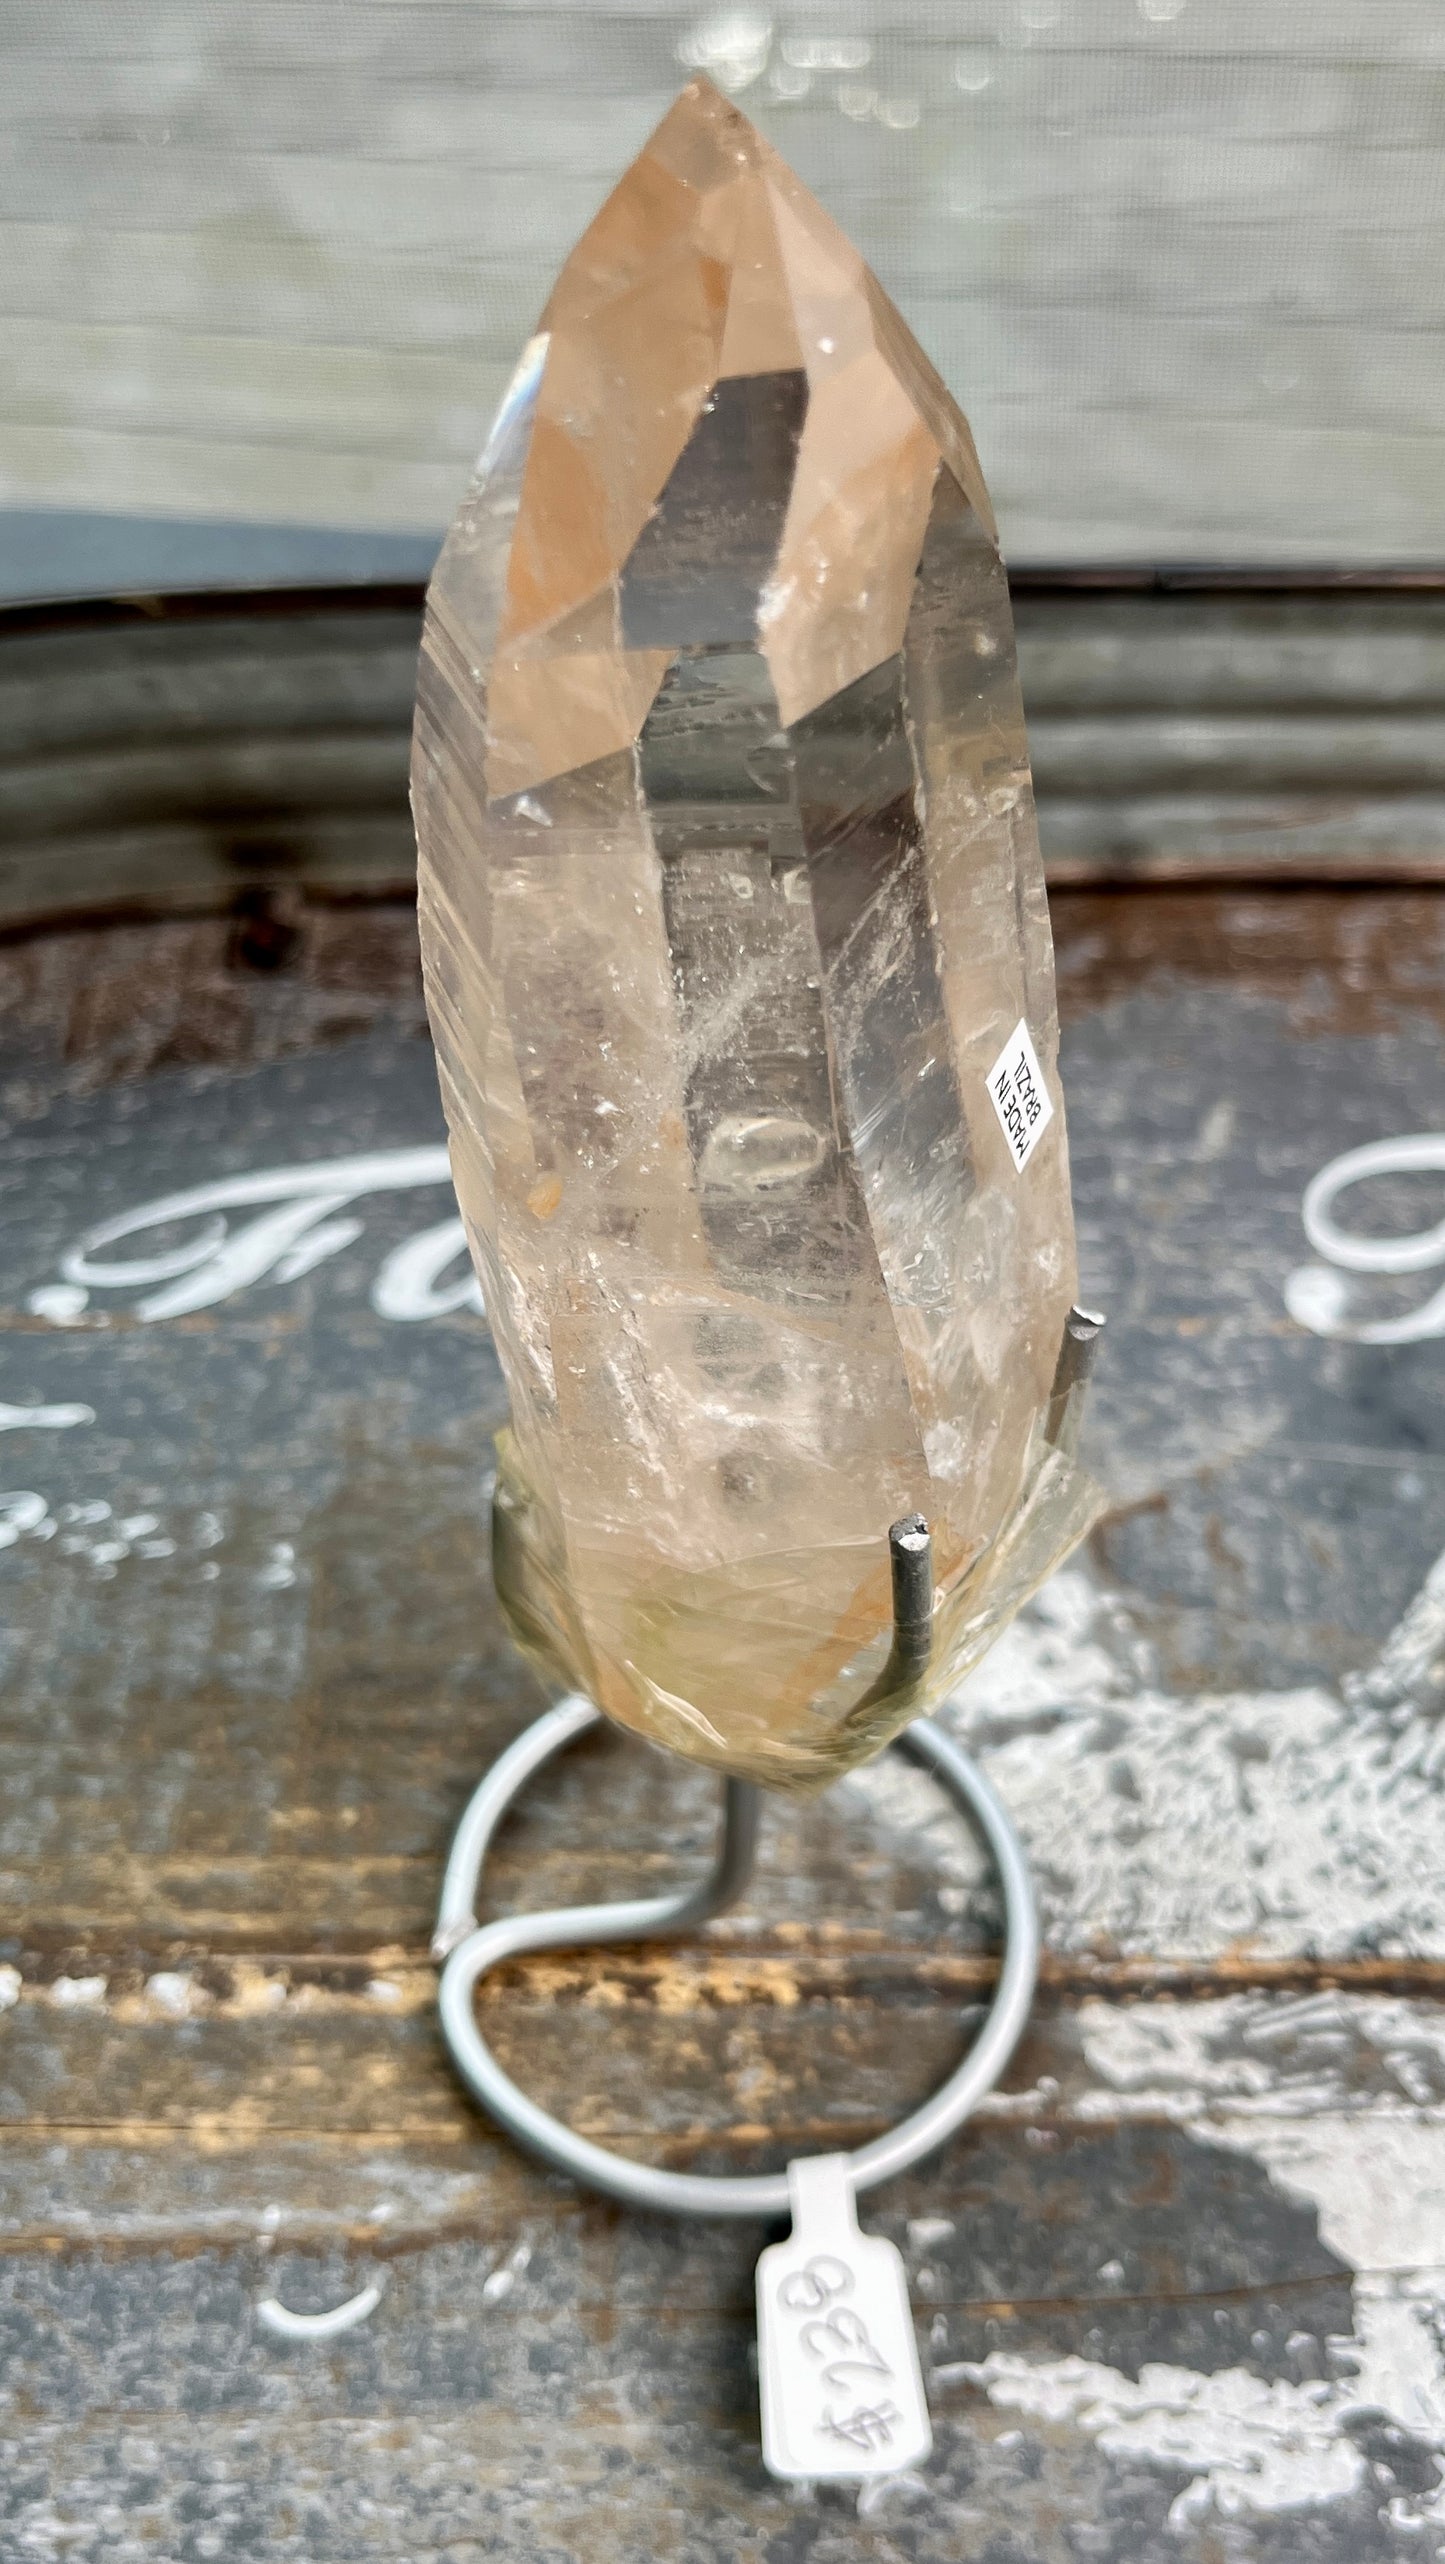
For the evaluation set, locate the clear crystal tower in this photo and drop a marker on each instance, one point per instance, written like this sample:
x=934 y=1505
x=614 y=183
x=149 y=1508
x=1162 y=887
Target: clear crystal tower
x=739 y=968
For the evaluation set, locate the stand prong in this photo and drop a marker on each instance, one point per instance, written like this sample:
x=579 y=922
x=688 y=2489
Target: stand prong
x=468 y=1949
x=910 y=1550
x=734 y=1862
x=1064 y=1422
x=655 y=1918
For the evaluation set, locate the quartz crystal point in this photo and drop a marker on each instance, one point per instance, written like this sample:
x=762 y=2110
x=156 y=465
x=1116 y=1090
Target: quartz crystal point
x=731 y=909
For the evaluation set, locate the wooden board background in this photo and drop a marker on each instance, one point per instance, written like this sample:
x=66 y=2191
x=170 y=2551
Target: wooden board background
x=1179 y=2289
x=1180 y=259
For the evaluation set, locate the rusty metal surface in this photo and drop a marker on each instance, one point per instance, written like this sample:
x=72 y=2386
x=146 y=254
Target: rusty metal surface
x=170 y=754
x=1179 y=2289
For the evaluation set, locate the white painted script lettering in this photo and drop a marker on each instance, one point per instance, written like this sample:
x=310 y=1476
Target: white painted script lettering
x=1319 y=1296
x=271 y=1226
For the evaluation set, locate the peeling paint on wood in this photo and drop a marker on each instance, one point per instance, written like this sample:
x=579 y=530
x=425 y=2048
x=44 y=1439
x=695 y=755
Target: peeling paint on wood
x=1179 y=2286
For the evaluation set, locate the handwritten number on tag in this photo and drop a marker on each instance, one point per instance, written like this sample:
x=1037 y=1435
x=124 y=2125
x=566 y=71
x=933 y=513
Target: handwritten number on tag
x=838 y=2373
x=850 y=2334
x=822 y=2277
x=867 y=2426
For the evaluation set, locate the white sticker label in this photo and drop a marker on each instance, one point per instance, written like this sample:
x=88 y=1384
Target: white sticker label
x=1020 y=1098
x=842 y=2390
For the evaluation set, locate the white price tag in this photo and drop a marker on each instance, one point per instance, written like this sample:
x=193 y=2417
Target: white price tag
x=842 y=2390
x=1019 y=1096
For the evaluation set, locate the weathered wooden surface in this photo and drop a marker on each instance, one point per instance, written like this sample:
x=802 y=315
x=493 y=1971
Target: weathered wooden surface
x=1179 y=2289
x=164 y=755
x=1182 y=263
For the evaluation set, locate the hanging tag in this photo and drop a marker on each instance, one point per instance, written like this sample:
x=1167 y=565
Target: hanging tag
x=842 y=2390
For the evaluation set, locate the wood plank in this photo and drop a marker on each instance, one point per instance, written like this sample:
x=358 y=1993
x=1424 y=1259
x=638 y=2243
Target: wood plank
x=1154 y=2293
x=468 y=300
x=193 y=384
x=1178 y=2288
x=242 y=481
x=237 y=240
x=314 y=1454
x=346 y=392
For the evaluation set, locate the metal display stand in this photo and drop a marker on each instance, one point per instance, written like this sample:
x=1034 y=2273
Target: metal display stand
x=467 y=1950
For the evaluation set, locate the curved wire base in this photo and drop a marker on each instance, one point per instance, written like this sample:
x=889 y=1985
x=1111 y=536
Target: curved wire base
x=470 y=1950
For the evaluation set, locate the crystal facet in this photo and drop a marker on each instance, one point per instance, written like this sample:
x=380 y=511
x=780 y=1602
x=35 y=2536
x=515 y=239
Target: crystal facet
x=732 y=909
